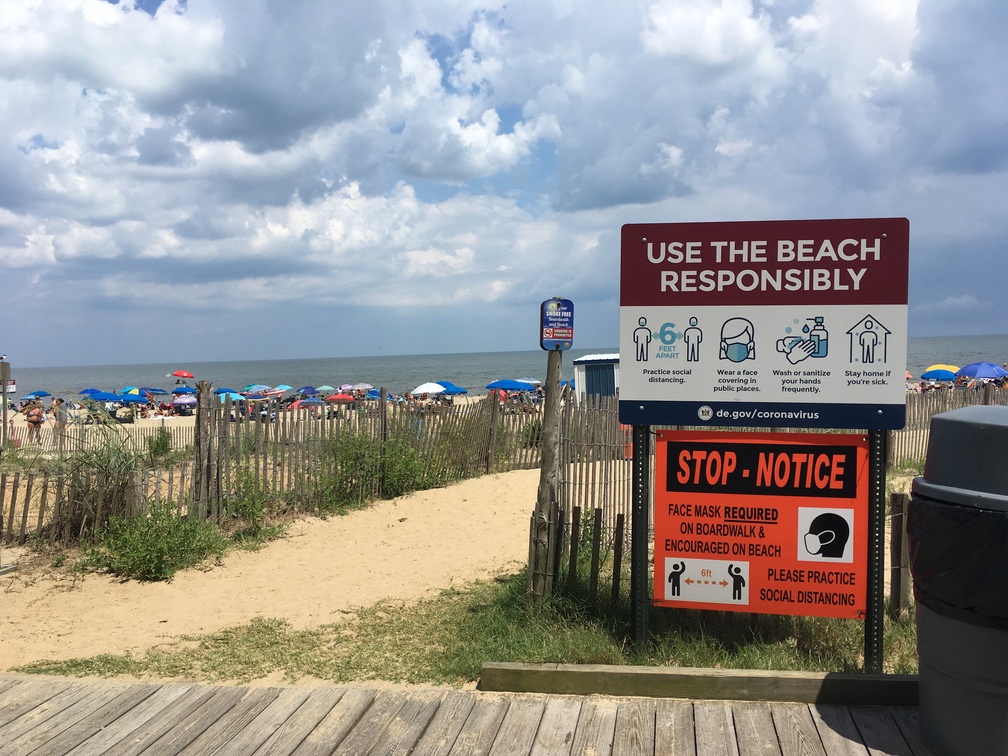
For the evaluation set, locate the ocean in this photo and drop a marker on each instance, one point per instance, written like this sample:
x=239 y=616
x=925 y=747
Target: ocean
x=397 y=374
x=403 y=373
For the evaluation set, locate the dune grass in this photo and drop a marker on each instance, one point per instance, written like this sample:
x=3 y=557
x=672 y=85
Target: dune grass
x=444 y=640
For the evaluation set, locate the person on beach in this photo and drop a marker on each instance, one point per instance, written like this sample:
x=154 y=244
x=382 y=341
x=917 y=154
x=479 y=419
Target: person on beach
x=35 y=417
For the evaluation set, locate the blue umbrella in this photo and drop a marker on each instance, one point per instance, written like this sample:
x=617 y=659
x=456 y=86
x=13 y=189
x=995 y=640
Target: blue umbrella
x=104 y=396
x=982 y=370
x=451 y=389
x=224 y=391
x=148 y=390
x=282 y=387
x=37 y=394
x=511 y=385
x=131 y=399
x=255 y=388
x=938 y=375
x=232 y=395
x=183 y=390
x=307 y=390
x=88 y=391
x=310 y=401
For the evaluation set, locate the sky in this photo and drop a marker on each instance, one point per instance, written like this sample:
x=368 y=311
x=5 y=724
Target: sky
x=194 y=180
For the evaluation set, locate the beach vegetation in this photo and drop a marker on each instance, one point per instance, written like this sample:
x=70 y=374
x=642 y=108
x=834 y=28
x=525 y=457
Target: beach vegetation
x=159 y=445
x=154 y=546
x=446 y=639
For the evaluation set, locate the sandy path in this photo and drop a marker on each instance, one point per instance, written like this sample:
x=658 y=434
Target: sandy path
x=406 y=548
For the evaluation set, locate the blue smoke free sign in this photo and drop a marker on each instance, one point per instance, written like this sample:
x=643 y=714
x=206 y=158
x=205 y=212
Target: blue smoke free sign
x=556 y=324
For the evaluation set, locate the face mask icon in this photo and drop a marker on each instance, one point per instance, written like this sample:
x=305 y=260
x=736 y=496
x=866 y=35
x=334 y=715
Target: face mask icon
x=827 y=536
x=738 y=340
x=815 y=541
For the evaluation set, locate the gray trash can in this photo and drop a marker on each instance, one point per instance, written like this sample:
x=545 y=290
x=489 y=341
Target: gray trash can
x=957 y=529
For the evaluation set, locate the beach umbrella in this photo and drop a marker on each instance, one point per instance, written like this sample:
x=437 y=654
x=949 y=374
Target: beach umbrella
x=152 y=391
x=131 y=399
x=184 y=400
x=943 y=366
x=183 y=390
x=428 y=388
x=362 y=387
x=370 y=394
x=451 y=389
x=255 y=397
x=324 y=388
x=255 y=388
x=938 y=375
x=988 y=370
x=88 y=391
x=282 y=387
x=37 y=394
x=511 y=385
x=346 y=387
x=129 y=390
x=103 y=396
x=310 y=401
x=234 y=396
x=308 y=390
x=339 y=398
x=182 y=374
x=223 y=390
x=533 y=381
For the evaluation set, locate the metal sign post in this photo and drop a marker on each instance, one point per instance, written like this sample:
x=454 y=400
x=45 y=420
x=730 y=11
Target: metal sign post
x=639 y=566
x=873 y=640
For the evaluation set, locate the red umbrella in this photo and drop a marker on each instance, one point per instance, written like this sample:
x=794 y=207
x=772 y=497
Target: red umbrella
x=183 y=374
x=339 y=398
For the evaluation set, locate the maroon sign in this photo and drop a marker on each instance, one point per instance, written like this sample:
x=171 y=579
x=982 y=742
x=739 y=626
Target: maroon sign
x=815 y=262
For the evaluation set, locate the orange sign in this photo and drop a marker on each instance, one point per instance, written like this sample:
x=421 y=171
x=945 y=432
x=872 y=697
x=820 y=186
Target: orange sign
x=773 y=523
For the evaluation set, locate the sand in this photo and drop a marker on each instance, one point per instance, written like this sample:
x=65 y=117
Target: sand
x=406 y=548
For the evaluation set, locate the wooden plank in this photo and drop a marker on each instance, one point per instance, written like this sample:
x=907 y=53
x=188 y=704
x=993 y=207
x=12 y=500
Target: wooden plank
x=907 y=719
x=555 y=735
x=714 y=728
x=596 y=726
x=23 y=718
x=674 y=727
x=223 y=729
x=796 y=730
x=177 y=726
x=480 y=729
x=879 y=731
x=337 y=723
x=518 y=728
x=261 y=728
x=98 y=719
x=297 y=727
x=635 y=727
x=25 y=695
x=28 y=733
x=406 y=727
x=443 y=729
x=837 y=731
x=369 y=727
x=125 y=726
x=754 y=728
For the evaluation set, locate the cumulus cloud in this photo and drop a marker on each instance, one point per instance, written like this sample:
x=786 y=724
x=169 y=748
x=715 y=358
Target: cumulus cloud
x=407 y=162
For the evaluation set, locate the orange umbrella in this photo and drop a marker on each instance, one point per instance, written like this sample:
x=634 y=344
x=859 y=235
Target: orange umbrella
x=339 y=398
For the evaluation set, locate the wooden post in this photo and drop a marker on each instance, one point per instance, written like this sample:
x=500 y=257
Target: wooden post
x=549 y=471
x=4 y=377
x=617 y=561
x=899 y=566
x=575 y=542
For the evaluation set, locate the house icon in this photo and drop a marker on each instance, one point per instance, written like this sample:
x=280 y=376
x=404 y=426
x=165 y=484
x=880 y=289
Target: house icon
x=868 y=341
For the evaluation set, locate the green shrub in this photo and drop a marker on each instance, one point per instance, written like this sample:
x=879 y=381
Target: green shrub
x=159 y=444
x=155 y=546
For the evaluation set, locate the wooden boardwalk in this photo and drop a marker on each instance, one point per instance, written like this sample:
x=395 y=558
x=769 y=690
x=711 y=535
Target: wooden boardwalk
x=44 y=715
